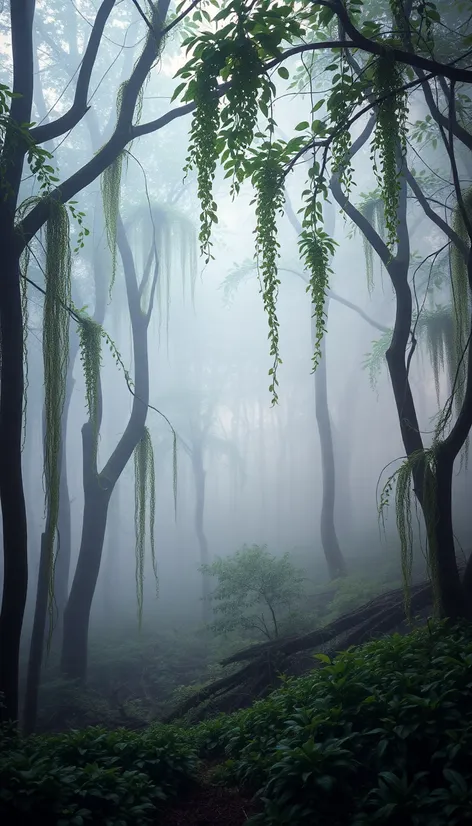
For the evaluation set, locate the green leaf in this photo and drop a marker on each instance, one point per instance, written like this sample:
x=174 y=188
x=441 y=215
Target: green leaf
x=300 y=127
x=177 y=91
x=283 y=72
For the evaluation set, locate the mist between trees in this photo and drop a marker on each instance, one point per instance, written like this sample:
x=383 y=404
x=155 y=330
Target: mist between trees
x=235 y=308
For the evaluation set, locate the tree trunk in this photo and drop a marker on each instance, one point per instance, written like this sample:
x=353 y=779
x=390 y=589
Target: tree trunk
x=437 y=514
x=15 y=575
x=450 y=588
x=98 y=487
x=332 y=551
x=111 y=586
x=199 y=477
x=77 y=612
x=37 y=639
x=62 y=567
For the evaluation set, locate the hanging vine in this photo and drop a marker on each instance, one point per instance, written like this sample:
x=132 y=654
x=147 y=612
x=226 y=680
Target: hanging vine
x=269 y=182
x=110 y=186
x=56 y=322
x=90 y=343
x=144 y=496
x=435 y=327
x=373 y=210
x=203 y=150
x=422 y=462
x=389 y=140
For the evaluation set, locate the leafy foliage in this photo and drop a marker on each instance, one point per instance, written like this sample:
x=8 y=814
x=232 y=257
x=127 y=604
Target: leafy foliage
x=92 y=776
x=381 y=734
x=253 y=589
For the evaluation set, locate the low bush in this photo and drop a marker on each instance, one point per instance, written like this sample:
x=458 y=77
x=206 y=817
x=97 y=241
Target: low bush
x=92 y=776
x=383 y=734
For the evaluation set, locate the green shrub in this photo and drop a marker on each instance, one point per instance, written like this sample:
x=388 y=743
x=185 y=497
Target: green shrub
x=383 y=734
x=255 y=591
x=94 y=776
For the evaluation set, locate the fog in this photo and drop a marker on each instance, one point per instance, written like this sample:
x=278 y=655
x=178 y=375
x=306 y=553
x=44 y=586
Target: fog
x=261 y=474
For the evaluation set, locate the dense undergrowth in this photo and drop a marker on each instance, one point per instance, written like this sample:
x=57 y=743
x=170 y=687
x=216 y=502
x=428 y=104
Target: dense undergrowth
x=383 y=734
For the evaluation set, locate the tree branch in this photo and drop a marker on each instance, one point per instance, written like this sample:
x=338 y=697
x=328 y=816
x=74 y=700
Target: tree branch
x=429 y=211
x=121 y=136
x=409 y=58
x=79 y=107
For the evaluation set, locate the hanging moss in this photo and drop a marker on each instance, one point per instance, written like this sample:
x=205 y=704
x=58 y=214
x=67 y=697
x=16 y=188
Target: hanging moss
x=422 y=461
x=374 y=212
x=56 y=359
x=111 y=186
x=144 y=496
x=435 y=328
x=90 y=342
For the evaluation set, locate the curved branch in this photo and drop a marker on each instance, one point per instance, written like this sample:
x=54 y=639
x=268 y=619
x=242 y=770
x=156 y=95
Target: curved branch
x=121 y=136
x=79 y=107
x=429 y=211
x=354 y=214
x=409 y=58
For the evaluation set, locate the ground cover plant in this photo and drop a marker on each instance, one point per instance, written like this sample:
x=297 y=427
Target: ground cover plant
x=381 y=734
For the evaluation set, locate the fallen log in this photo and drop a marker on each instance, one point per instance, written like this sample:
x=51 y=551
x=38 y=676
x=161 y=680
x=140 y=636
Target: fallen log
x=268 y=660
x=344 y=623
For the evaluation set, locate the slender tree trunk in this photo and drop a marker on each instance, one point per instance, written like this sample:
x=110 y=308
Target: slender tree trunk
x=111 y=585
x=262 y=461
x=12 y=499
x=15 y=573
x=62 y=567
x=37 y=639
x=77 y=612
x=200 y=482
x=332 y=551
x=61 y=573
x=98 y=487
x=451 y=592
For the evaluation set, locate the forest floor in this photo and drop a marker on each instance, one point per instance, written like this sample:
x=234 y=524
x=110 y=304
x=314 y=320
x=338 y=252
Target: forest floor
x=209 y=803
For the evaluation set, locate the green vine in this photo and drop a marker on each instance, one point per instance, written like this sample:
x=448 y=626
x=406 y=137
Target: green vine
x=389 y=140
x=203 y=150
x=56 y=322
x=239 y=116
x=316 y=249
x=268 y=180
x=144 y=494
